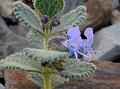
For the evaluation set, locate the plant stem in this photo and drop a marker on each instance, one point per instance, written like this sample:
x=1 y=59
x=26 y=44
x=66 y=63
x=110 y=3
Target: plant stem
x=47 y=73
x=47 y=78
x=47 y=35
x=46 y=42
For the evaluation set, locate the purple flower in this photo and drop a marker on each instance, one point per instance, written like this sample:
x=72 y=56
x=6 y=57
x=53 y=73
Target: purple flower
x=77 y=45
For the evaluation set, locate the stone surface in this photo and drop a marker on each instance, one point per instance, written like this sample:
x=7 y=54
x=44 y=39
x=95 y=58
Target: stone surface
x=2 y=87
x=115 y=16
x=19 y=30
x=98 y=13
x=17 y=80
x=115 y=3
x=6 y=5
x=12 y=43
x=3 y=28
x=12 y=39
x=107 y=40
x=106 y=77
x=69 y=4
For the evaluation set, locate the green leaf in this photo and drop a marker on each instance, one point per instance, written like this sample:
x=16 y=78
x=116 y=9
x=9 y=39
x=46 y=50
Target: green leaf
x=56 y=79
x=45 y=55
x=49 y=7
x=37 y=78
x=27 y=16
x=74 y=17
x=77 y=69
x=35 y=38
x=20 y=61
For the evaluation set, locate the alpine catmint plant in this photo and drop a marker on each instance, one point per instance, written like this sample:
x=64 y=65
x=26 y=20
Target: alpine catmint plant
x=46 y=67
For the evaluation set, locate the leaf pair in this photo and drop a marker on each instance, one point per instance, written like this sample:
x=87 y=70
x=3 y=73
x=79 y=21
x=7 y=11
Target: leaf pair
x=27 y=16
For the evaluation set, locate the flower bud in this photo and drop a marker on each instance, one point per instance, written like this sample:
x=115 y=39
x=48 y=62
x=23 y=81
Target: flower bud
x=44 y=19
x=55 y=22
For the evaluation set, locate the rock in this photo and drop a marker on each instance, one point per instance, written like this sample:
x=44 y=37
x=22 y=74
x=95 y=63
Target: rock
x=13 y=39
x=19 y=30
x=28 y=2
x=17 y=80
x=6 y=12
x=12 y=43
x=2 y=87
x=107 y=40
x=3 y=28
x=98 y=13
x=106 y=77
x=2 y=12
x=69 y=4
x=115 y=3
x=6 y=5
x=115 y=16
x=1 y=75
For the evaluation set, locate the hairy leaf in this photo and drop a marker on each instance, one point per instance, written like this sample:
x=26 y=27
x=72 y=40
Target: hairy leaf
x=77 y=69
x=27 y=16
x=45 y=55
x=20 y=61
x=35 y=39
x=74 y=17
x=49 y=7
x=57 y=80
x=38 y=79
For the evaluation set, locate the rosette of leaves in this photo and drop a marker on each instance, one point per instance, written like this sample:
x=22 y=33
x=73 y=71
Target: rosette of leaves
x=43 y=64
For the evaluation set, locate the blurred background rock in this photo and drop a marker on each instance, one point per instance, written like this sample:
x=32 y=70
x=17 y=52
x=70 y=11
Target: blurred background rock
x=102 y=15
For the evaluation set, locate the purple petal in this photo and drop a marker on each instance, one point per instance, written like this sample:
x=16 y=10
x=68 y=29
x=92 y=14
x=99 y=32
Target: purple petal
x=89 y=35
x=74 y=32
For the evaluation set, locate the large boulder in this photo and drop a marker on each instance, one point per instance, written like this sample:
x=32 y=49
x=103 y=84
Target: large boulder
x=3 y=28
x=98 y=13
x=12 y=39
x=18 y=80
x=11 y=43
x=2 y=87
x=6 y=5
x=115 y=16
x=115 y=3
x=107 y=40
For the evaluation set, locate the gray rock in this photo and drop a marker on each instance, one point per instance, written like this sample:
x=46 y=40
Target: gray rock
x=12 y=39
x=6 y=5
x=2 y=87
x=115 y=3
x=12 y=43
x=3 y=28
x=19 y=30
x=70 y=4
x=115 y=16
x=107 y=40
x=98 y=14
